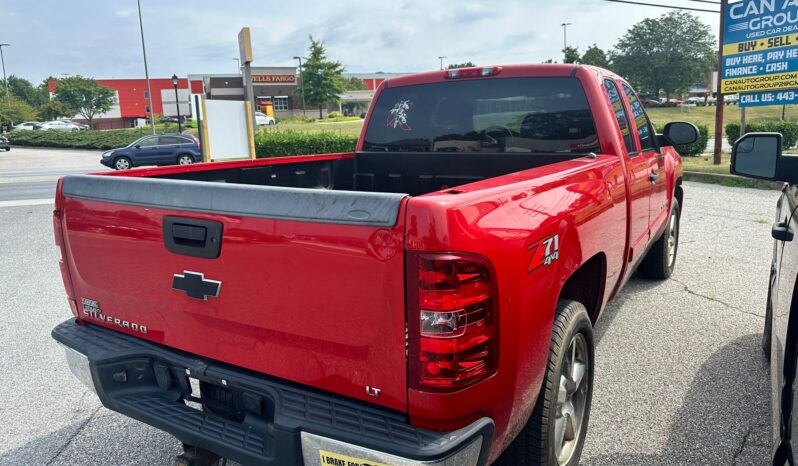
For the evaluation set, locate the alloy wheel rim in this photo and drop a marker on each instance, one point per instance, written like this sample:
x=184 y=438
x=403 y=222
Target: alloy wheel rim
x=572 y=397
x=673 y=234
x=122 y=164
x=184 y=160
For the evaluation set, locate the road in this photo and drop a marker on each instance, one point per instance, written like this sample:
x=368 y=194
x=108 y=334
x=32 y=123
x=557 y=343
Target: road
x=680 y=377
x=28 y=175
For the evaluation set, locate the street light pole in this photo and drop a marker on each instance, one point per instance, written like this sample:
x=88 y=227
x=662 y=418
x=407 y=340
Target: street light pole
x=441 y=59
x=302 y=77
x=177 y=104
x=146 y=71
x=3 y=60
x=564 y=36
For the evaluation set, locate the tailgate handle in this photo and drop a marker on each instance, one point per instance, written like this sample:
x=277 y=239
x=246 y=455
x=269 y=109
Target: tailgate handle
x=192 y=237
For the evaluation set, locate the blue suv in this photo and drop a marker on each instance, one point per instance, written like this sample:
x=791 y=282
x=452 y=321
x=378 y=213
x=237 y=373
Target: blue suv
x=164 y=149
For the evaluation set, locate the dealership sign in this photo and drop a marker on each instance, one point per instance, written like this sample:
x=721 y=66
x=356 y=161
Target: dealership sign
x=760 y=50
x=276 y=78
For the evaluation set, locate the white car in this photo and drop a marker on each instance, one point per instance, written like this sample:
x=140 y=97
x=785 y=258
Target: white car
x=57 y=126
x=695 y=100
x=731 y=98
x=28 y=125
x=261 y=119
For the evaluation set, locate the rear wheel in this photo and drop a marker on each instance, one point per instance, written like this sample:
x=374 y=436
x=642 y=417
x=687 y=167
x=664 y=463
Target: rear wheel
x=185 y=159
x=122 y=163
x=661 y=258
x=555 y=433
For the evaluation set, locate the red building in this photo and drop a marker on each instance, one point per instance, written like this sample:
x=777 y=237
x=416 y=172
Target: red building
x=131 y=102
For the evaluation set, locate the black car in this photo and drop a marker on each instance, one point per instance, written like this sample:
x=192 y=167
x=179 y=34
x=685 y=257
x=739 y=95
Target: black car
x=164 y=149
x=4 y=144
x=758 y=155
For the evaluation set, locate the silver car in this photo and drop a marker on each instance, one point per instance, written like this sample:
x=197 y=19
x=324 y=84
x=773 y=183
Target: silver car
x=28 y=125
x=57 y=126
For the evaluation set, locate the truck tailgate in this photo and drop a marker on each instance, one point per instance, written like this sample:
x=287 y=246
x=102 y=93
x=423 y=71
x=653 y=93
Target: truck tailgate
x=309 y=284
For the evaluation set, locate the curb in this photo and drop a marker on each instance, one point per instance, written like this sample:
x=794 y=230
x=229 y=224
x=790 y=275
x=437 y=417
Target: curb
x=731 y=180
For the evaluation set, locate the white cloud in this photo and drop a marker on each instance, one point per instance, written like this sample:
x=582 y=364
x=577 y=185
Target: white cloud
x=101 y=39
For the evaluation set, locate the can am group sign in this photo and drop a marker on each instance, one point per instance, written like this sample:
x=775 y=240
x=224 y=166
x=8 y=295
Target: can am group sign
x=760 y=52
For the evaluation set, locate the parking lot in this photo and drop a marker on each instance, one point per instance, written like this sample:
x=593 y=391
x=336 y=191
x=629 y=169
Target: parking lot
x=680 y=377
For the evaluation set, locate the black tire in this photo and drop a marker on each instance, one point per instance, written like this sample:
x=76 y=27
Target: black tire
x=659 y=263
x=536 y=443
x=188 y=157
x=122 y=163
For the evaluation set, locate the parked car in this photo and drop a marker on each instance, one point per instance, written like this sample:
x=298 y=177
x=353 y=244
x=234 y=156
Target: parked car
x=261 y=119
x=650 y=102
x=56 y=125
x=697 y=100
x=165 y=149
x=759 y=155
x=428 y=298
x=28 y=125
x=731 y=99
x=82 y=126
x=4 y=144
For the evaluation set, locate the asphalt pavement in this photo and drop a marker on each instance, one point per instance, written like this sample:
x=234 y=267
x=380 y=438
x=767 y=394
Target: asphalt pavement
x=680 y=377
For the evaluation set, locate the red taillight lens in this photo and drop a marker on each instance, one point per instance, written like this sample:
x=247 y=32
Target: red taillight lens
x=452 y=321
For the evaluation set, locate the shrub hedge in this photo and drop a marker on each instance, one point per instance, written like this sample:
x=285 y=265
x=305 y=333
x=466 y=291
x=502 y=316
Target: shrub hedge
x=281 y=143
x=101 y=140
x=697 y=148
x=788 y=129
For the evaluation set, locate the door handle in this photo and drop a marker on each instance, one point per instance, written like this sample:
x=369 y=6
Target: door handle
x=653 y=177
x=782 y=232
x=192 y=237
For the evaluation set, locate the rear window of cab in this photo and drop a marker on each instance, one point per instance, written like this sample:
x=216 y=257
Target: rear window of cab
x=533 y=115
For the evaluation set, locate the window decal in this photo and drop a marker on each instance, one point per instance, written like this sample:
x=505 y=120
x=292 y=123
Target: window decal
x=397 y=117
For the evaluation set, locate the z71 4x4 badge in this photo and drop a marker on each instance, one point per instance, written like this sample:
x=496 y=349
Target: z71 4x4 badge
x=544 y=252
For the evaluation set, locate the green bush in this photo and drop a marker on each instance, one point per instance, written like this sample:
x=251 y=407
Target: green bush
x=101 y=140
x=280 y=143
x=788 y=130
x=695 y=149
x=335 y=115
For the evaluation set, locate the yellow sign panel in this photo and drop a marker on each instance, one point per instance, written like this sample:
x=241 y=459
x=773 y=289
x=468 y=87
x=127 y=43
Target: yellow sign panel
x=335 y=459
x=767 y=82
x=245 y=45
x=759 y=45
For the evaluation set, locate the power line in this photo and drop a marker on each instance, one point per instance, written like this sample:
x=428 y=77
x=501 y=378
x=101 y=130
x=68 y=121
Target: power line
x=666 y=6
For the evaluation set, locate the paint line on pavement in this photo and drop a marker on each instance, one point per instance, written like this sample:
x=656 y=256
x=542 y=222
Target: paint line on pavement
x=25 y=202
x=29 y=179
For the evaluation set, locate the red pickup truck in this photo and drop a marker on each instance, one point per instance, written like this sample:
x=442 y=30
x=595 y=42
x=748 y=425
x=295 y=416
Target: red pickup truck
x=427 y=299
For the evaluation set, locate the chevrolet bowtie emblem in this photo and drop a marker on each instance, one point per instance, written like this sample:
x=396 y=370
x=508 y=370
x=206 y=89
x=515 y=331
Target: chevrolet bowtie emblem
x=196 y=286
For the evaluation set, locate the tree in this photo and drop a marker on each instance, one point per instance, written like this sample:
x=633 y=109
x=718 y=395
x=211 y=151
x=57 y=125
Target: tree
x=54 y=109
x=22 y=88
x=596 y=57
x=85 y=95
x=467 y=64
x=15 y=110
x=321 y=78
x=571 y=55
x=668 y=53
x=353 y=84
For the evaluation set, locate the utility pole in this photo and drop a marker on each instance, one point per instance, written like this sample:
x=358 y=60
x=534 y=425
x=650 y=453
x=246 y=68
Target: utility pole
x=565 y=36
x=146 y=71
x=302 y=78
x=719 y=104
x=441 y=59
x=3 y=60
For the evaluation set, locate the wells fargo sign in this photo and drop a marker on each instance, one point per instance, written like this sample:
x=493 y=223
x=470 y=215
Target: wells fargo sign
x=274 y=78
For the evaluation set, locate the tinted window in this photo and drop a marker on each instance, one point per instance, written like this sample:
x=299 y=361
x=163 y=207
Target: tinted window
x=642 y=123
x=485 y=115
x=148 y=142
x=620 y=115
x=172 y=140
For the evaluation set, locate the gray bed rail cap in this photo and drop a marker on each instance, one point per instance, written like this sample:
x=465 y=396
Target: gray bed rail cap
x=271 y=202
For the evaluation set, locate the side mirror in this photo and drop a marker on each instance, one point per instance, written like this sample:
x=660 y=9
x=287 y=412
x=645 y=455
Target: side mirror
x=137 y=146
x=758 y=155
x=678 y=133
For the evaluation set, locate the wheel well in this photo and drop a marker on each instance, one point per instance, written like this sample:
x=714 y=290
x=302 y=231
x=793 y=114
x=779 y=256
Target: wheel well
x=586 y=285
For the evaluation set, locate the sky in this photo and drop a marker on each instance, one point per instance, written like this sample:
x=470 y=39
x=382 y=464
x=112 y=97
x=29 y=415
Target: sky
x=101 y=39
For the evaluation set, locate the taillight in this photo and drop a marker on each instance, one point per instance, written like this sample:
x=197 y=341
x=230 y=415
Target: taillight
x=58 y=233
x=479 y=72
x=452 y=321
